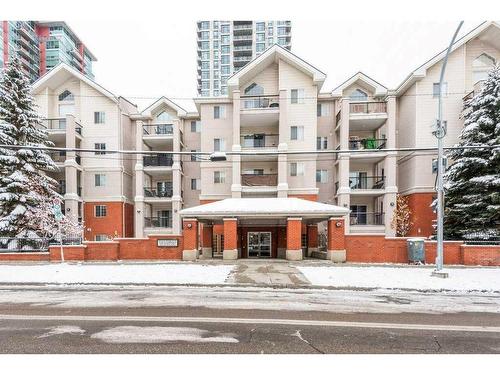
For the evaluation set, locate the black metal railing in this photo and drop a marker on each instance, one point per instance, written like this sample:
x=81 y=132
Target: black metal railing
x=260 y=102
x=337 y=117
x=259 y=179
x=58 y=156
x=78 y=159
x=78 y=127
x=158 y=193
x=366 y=182
x=336 y=187
x=368 y=107
x=158 y=129
x=367 y=144
x=25 y=244
x=79 y=191
x=55 y=123
x=158 y=160
x=158 y=222
x=367 y=218
x=259 y=140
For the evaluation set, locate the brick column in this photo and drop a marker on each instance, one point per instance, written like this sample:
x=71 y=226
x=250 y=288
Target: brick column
x=190 y=232
x=336 y=240
x=206 y=241
x=230 y=239
x=312 y=238
x=293 y=238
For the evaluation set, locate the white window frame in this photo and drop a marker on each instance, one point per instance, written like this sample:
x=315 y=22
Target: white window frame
x=221 y=143
x=323 y=109
x=197 y=126
x=323 y=176
x=219 y=177
x=299 y=133
x=323 y=143
x=297 y=169
x=435 y=89
x=100 y=209
x=100 y=146
x=99 y=179
x=99 y=117
x=222 y=112
x=297 y=96
x=197 y=184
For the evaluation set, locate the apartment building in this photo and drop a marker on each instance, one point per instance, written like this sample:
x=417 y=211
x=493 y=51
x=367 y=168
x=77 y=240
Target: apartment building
x=98 y=188
x=224 y=47
x=286 y=131
x=42 y=45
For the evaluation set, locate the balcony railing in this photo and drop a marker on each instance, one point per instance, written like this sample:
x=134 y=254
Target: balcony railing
x=259 y=140
x=242 y=37
x=367 y=144
x=242 y=48
x=79 y=191
x=242 y=58
x=368 y=107
x=337 y=117
x=158 y=129
x=366 y=182
x=158 y=161
x=256 y=102
x=55 y=124
x=158 y=222
x=259 y=179
x=158 y=193
x=58 y=157
x=367 y=218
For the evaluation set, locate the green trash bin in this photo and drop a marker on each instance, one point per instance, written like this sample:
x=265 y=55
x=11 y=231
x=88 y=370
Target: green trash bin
x=416 y=250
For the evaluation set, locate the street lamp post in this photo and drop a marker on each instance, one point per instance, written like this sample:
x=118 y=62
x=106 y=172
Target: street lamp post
x=440 y=133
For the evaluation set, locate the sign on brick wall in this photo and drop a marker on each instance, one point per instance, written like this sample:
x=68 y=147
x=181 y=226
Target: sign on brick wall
x=167 y=242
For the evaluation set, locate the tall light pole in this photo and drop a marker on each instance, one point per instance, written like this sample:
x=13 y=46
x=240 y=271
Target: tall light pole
x=440 y=133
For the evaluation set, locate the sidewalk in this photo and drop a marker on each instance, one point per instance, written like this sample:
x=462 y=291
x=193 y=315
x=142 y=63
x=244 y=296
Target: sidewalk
x=255 y=273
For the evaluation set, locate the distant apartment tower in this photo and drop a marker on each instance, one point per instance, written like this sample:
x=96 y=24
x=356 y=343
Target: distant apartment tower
x=224 y=47
x=42 y=45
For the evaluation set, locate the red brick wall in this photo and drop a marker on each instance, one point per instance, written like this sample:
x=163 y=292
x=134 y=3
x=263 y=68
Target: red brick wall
x=110 y=225
x=312 y=236
x=206 y=235
x=365 y=248
x=230 y=234
x=293 y=234
x=190 y=231
x=102 y=250
x=129 y=220
x=37 y=257
x=480 y=255
x=421 y=214
x=74 y=253
x=336 y=234
x=451 y=252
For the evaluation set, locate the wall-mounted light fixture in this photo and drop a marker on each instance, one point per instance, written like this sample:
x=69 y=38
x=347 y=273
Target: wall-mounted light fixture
x=338 y=224
x=392 y=204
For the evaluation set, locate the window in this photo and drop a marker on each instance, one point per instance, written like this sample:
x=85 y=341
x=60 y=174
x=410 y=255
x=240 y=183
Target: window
x=205 y=35
x=282 y=41
x=99 y=117
x=205 y=55
x=66 y=96
x=297 y=133
x=435 y=89
x=225 y=69
x=100 y=179
x=205 y=45
x=194 y=157
x=359 y=96
x=260 y=47
x=323 y=109
x=219 y=112
x=224 y=49
x=205 y=74
x=216 y=44
x=219 y=144
x=224 y=59
x=219 y=177
x=297 y=96
x=435 y=165
x=321 y=143
x=195 y=184
x=481 y=66
x=260 y=38
x=260 y=26
x=101 y=237
x=225 y=39
x=100 y=211
x=321 y=176
x=216 y=84
x=205 y=65
x=204 y=25
x=164 y=117
x=281 y=31
x=224 y=29
x=100 y=146
x=254 y=89
x=296 y=169
x=205 y=85
x=195 y=126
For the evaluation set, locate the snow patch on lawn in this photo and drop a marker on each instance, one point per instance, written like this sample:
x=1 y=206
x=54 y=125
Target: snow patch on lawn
x=115 y=273
x=135 y=334
x=61 y=330
x=460 y=279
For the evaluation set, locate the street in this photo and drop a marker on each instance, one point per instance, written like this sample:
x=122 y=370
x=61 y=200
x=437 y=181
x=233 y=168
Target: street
x=62 y=319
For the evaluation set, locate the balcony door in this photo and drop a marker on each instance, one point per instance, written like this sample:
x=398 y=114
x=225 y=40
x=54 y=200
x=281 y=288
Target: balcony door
x=259 y=244
x=164 y=218
x=164 y=188
x=358 y=215
x=358 y=180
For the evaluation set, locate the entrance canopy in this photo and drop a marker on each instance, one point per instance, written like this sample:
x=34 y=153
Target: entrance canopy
x=264 y=209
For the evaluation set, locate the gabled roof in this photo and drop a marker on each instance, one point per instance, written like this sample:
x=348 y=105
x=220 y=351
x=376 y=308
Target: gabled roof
x=268 y=57
x=181 y=112
x=60 y=74
x=365 y=80
x=264 y=208
x=421 y=71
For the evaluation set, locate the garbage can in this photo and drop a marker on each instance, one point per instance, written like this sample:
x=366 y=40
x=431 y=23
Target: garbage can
x=416 y=250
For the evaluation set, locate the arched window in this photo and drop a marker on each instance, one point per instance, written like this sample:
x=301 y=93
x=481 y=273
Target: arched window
x=481 y=66
x=254 y=89
x=359 y=96
x=66 y=95
x=164 y=117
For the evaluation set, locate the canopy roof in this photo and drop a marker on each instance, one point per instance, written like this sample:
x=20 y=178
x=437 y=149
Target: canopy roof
x=264 y=208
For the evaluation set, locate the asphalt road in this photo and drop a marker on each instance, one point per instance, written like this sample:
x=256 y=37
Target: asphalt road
x=52 y=323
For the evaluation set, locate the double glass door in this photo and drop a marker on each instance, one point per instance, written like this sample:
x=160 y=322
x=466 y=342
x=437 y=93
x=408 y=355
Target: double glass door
x=259 y=244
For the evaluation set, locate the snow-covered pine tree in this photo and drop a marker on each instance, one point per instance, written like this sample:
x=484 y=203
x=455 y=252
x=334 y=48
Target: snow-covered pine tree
x=21 y=125
x=472 y=182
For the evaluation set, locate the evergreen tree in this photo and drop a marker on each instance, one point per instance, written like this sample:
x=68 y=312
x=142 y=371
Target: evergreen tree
x=472 y=182
x=20 y=125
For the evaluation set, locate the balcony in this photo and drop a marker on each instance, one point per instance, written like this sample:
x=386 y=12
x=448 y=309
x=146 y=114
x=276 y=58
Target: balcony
x=158 y=193
x=260 y=184
x=158 y=135
x=367 y=143
x=242 y=37
x=260 y=141
x=366 y=116
x=367 y=182
x=260 y=102
x=158 y=222
x=366 y=218
x=58 y=125
x=159 y=160
x=58 y=156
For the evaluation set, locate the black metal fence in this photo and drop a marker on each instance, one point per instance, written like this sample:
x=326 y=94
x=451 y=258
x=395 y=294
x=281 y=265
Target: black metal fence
x=26 y=244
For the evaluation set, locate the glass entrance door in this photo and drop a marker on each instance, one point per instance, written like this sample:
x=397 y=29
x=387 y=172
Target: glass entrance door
x=259 y=244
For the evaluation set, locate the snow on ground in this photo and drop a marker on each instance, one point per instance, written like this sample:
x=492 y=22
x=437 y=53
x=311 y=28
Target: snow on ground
x=138 y=334
x=115 y=273
x=460 y=279
x=61 y=330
